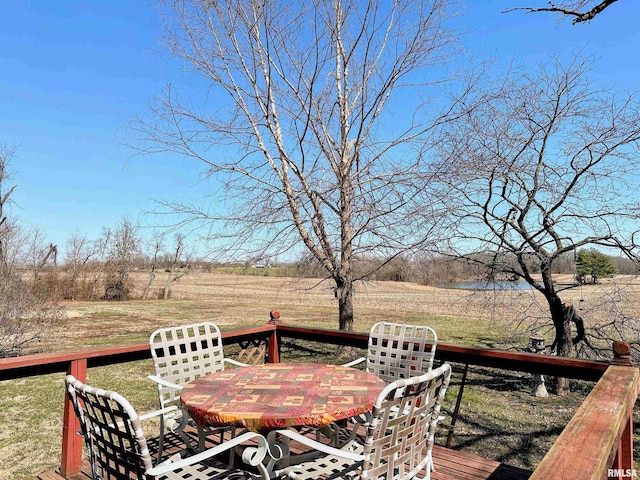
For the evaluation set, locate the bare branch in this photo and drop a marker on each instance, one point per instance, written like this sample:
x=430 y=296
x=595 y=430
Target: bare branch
x=579 y=17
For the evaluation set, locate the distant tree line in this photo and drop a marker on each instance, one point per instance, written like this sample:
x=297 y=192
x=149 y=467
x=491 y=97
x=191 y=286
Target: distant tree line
x=585 y=266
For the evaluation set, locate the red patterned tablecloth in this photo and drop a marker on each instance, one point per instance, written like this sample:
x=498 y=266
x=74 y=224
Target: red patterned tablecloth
x=265 y=397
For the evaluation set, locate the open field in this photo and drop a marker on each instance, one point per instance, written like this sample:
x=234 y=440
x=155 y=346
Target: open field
x=239 y=300
x=499 y=418
x=235 y=300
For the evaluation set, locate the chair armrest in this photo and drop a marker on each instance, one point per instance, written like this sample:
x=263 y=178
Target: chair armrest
x=261 y=452
x=163 y=382
x=157 y=413
x=235 y=362
x=338 y=452
x=354 y=362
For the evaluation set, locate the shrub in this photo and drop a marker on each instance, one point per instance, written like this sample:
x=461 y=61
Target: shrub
x=24 y=316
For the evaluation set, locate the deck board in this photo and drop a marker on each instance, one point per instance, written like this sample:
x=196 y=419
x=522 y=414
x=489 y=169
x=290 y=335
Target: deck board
x=455 y=465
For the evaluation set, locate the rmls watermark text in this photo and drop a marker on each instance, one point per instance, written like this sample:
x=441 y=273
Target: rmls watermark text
x=622 y=473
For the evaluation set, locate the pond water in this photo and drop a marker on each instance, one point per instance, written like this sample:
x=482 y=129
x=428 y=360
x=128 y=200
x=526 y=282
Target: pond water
x=486 y=285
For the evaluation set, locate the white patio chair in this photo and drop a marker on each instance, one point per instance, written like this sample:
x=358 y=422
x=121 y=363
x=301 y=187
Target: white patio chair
x=397 y=350
x=182 y=354
x=118 y=449
x=399 y=438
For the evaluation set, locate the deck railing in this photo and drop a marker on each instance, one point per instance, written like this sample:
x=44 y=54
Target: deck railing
x=597 y=443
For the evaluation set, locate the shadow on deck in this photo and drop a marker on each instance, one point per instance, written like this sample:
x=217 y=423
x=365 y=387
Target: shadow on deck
x=449 y=465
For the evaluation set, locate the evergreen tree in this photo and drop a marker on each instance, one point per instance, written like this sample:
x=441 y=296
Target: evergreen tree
x=594 y=263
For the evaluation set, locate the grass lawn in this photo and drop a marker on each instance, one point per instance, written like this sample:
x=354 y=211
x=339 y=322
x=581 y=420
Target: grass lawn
x=499 y=419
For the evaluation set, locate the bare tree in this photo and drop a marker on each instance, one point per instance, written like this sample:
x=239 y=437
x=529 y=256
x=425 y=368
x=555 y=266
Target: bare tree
x=81 y=281
x=308 y=122
x=24 y=316
x=157 y=245
x=546 y=166
x=39 y=252
x=6 y=191
x=123 y=249
x=579 y=10
x=174 y=263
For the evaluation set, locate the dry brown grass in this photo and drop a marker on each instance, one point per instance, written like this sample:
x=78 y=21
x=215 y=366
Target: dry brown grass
x=235 y=301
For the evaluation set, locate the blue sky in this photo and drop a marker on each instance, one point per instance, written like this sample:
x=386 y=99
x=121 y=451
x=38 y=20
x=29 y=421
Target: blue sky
x=74 y=74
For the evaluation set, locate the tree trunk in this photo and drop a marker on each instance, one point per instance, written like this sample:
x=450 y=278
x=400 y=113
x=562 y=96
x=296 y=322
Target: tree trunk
x=563 y=342
x=152 y=277
x=344 y=294
x=561 y=319
x=165 y=292
x=174 y=264
x=4 y=267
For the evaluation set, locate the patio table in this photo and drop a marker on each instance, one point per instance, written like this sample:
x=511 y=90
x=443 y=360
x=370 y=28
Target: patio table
x=266 y=397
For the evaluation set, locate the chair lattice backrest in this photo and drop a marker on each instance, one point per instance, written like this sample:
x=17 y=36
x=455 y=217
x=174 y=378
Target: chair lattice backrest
x=252 y=353
x=400 y=436
x=182 y=354
x=113 y=435
x=400 y=351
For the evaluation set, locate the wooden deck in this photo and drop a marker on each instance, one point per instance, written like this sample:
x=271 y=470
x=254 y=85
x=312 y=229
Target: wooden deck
x=449 y=465
x=454 y=465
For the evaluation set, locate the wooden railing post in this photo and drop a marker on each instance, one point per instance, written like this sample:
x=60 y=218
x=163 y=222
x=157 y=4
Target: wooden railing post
x=621 y=353
x=71 y=460
x=273 y=347
x=623 y=462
